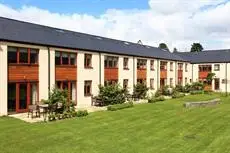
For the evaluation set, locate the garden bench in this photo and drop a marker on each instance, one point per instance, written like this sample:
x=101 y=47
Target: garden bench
x=202 y=103
x=32 y=109
x=97 y=101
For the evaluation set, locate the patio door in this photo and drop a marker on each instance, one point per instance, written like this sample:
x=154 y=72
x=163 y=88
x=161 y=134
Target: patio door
x=20 y=95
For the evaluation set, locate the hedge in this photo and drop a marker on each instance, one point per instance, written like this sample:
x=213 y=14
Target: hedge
x=119 y=106
x=196 y=92
x=156 y=99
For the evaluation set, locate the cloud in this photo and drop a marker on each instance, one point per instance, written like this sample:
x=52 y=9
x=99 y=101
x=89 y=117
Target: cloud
x=178 y=23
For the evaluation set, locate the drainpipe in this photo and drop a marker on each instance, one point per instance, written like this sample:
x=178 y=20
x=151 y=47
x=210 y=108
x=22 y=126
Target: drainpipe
x=99 y=68
x=158 y=74
x=226 y=73
x=176 y=71
x=134 y=70
x=192 y=72
x=48 y=70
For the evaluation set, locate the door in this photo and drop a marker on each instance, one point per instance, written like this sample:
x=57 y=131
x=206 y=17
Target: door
x=22 y=97
x=11 y=105
x=217 y=84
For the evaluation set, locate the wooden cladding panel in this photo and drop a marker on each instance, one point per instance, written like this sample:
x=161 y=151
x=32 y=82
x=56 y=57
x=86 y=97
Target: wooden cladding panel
x=63 y=73
x=141 y=74
x=203 y=74
x=180 y=74
x=20 y=73
x=163 y=74
x=111 y=73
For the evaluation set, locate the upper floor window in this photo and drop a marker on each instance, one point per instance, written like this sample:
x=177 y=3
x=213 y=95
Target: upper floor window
x=141 y=63
x=22 y=55
x=163 y=65
x=64 y=58
x=186 y=67
x=152 y=65
x=110 y=62
x=88 y=60
x=205 y=68
x=180 y=66
x=126 y=63
x=217 y=67
x=171 y=66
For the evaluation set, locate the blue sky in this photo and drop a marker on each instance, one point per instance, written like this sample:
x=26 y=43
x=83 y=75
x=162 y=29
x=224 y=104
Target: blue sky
x=94 y=7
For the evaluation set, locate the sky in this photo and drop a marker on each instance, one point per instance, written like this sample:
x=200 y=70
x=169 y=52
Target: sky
x=178 y=23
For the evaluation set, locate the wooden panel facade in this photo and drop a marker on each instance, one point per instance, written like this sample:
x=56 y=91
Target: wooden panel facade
x=141 y=74
x=22 y=73
x=163 y=74
x=203 y=74
x=180 y=73
x=111 y=74
x=65 y=72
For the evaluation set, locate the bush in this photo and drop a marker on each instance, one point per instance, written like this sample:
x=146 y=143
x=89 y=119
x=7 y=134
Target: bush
x=112 y=94
x=178 y=95
x=167 y=91
x=187 y=88
x=197 y=86
x=156 y=99
x=81 y=113
x=179 y=88
x=196 y=92
x=158 y=93
x=120 y=106
x=140 y=91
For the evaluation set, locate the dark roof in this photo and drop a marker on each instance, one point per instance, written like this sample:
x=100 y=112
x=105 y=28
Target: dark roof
x=24 y=32
x=207 y=56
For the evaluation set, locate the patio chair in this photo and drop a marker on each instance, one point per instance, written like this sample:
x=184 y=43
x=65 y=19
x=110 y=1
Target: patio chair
x=32 y=109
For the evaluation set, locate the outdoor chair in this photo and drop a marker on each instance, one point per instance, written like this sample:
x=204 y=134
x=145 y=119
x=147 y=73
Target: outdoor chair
x=32 y=109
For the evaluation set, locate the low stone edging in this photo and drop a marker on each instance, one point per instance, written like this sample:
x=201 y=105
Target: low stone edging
x=202 y=103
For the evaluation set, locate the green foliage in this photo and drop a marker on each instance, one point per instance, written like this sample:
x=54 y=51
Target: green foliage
x=81 y=113
x=210 y=77
x=179 y=88
x=156 y=99
x=163 y=46
x=178 y=95
x=187 y=88
x=196 y=47
x=120 y=106
x=197 y=86
x=196 y=92
x=112 y=94
x=158 y=93
x=140 y=91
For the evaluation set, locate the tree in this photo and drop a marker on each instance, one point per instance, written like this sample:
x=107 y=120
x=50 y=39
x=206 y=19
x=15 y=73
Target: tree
x=163 y=46
x=196 y=47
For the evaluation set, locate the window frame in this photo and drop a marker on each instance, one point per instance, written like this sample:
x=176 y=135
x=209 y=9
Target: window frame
x=87 y=83
x=218 y=67
x=28 y=51
x=141 y=64
x=111 y=60
x=86 y=64
x=126 y=63
x=69 y=58
x=152 y=62
x=171 y=66
x=151 y=86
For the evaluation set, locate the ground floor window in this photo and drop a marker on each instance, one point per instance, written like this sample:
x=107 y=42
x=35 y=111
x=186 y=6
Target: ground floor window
x=88 y=88
x=110 y=82
x=217 y=83
x=152 y=84
x=20 y=95
x=142 y=81
x=180 y=81
x=70 y=86
x=171 y=82
x=125 y=83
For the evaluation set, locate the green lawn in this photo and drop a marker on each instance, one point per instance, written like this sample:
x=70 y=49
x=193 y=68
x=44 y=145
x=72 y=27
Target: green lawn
x=164 y=127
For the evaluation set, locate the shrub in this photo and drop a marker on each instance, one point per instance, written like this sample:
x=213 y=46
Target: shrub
x=178 y=95
x=112 y=94
x=81 y=113
x=120 y=106
x=187 y=88
x=167 y=91
x=179 y=88
x=156 y=99
x=158 y=93
x=196 y=92
x=197 y=86
x=140 y=91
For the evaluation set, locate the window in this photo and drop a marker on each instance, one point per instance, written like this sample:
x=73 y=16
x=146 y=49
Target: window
x=70 y=86
x=152 y=65
x=110 y=62
x=33 y=56
x=171 y=82
x=217 y=67
x=65 y=58
x=22 y=55
x=125 y=83
x=141 y=63
x=87 y=88
x=152 y=84
x=163 y=66
x=186 y=80
x=205 y=68
x=110 y=82
x=126 y=63
x=190 y=80
x=142 y=81
x=180 y=66
x=88 y=60
x=171 y=66
x=12 y=55
x=186 y=67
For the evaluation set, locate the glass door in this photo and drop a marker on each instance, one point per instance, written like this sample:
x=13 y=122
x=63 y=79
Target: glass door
x=22 y=97
x=11 y=97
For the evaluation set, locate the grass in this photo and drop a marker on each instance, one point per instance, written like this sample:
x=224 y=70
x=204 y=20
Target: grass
x=164 y=127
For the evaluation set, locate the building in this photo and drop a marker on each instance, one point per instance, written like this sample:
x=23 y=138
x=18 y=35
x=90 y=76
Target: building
x=36 y=58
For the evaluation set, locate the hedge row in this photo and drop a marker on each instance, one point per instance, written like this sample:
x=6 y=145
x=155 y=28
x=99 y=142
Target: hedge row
x=120 y=106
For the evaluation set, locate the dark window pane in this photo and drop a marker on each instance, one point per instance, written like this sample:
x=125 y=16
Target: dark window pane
x=12 y=55
x=65 y=59
x=23 y=55
x=57 y=58
x=72 y=59
x=33 y=56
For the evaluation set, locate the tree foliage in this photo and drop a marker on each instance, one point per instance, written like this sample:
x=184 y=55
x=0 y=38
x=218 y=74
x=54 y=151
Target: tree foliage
x=163 y=46
x=196 y=47
x=140 y=90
